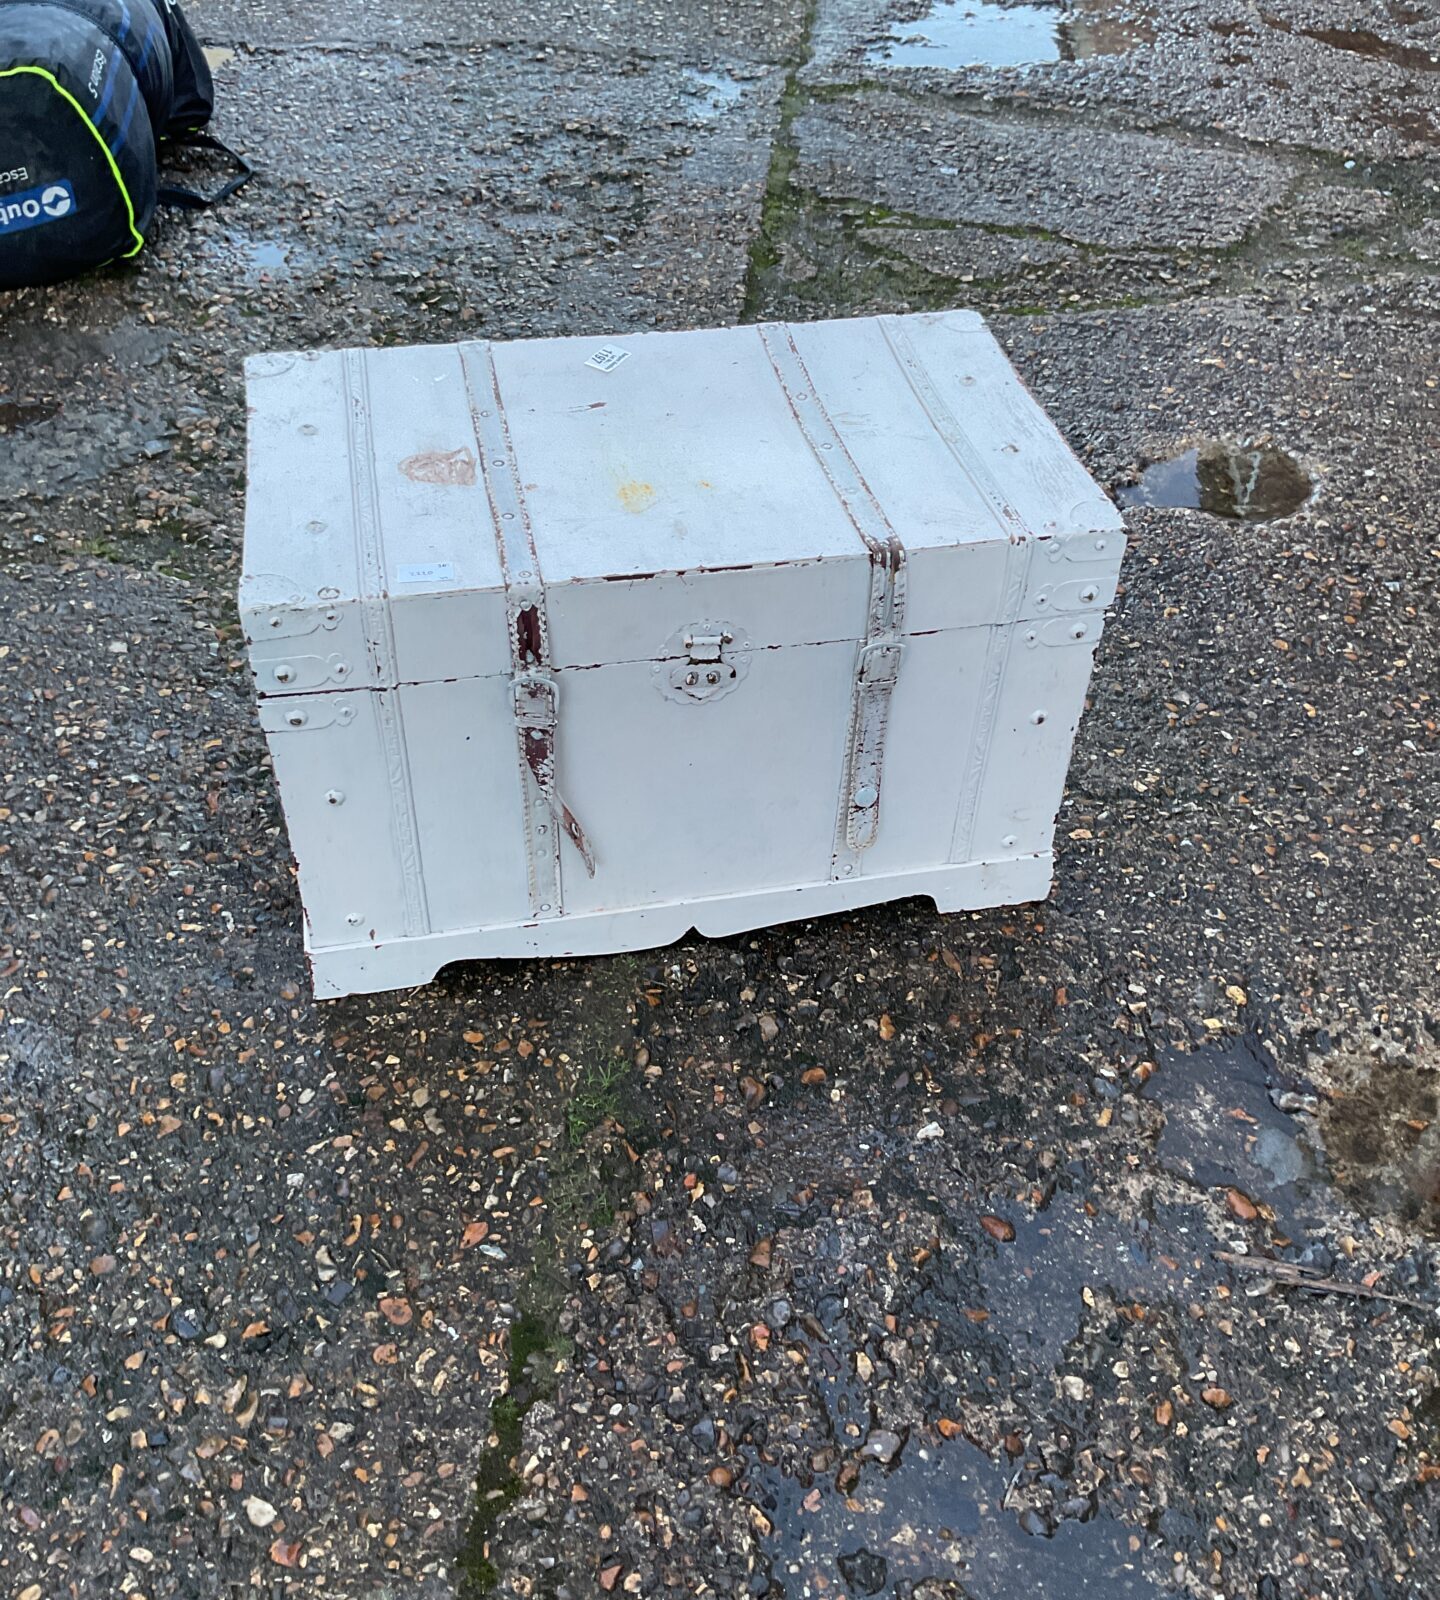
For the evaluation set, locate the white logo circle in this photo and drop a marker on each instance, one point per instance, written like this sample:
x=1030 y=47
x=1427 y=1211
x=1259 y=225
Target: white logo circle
x=56 y=200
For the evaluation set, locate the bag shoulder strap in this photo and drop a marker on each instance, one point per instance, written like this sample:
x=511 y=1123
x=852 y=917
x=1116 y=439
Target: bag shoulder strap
x=171 y=194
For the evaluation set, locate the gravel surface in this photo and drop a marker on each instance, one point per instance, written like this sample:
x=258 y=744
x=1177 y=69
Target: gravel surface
x=870 y=1256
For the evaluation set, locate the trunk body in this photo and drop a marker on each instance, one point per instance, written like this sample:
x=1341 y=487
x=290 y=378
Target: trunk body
x=566 y=647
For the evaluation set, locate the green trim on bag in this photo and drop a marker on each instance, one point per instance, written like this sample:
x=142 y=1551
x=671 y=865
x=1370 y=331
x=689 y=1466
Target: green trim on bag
x=64 y=93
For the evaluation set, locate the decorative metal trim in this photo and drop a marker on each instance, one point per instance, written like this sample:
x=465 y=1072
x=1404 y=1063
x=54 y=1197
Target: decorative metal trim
x=1018 y=553
x=992 y=688
x=380 y=642
x=947 y=426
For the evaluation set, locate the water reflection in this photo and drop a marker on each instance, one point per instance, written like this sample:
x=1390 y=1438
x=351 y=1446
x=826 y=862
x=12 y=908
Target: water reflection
x=981 y=33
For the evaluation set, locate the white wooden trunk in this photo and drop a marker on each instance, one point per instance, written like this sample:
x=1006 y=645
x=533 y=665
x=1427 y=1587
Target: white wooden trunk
x=793 y=618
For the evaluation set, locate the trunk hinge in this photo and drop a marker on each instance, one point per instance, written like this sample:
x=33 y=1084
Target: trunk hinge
x=877 y=663
x=535 y=695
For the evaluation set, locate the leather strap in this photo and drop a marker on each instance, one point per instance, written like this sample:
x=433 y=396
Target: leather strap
x=535 y=695
x=877 y=662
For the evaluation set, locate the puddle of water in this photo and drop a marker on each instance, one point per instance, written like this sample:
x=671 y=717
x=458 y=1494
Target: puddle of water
x=1033 y=1287
x=14 y=415
x=218 y=56
x=715 y=92
x=939 y=1515
x=1223 y=1130
x=270 y=259
x=983 y=33
x=1249 y=483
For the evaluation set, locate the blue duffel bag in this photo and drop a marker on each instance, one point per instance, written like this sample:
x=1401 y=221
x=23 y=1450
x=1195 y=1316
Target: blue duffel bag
x=90 y=90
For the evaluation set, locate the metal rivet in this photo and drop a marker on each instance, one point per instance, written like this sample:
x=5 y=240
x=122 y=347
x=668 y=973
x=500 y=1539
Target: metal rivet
x=1008 y=840
x=284 y=672
x=1078 y=631
x=308 y=428
x=537 y=733
x=296 y=719
x=545 y=905
x=848 y=868
x=1037 y=717
x=336 y=797
x=542 y=830
x=866 y=795
x=316 y=526
x=354 y=919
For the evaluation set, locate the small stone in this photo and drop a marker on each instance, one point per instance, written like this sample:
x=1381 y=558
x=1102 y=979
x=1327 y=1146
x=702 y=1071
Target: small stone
x=155 y=447
x=881 y=1445
x=1071 y=1387
x=260 y=1512
x=864 y=1571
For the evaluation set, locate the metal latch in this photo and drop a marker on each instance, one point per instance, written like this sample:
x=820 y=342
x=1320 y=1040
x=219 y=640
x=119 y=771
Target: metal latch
x=711 y=663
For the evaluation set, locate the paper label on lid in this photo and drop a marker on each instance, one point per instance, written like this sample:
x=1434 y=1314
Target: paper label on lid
x=607 y=358
x=425 y=572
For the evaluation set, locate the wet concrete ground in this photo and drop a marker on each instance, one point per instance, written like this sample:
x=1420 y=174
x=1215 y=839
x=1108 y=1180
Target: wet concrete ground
x=873 y=1256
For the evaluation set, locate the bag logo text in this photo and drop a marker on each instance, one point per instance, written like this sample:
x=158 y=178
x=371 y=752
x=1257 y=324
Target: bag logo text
x=32 y=208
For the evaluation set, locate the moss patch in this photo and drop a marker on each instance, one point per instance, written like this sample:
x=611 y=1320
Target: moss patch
x=497 y=1484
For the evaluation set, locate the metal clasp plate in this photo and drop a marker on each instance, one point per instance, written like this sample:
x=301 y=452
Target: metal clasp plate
x=702 y=662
